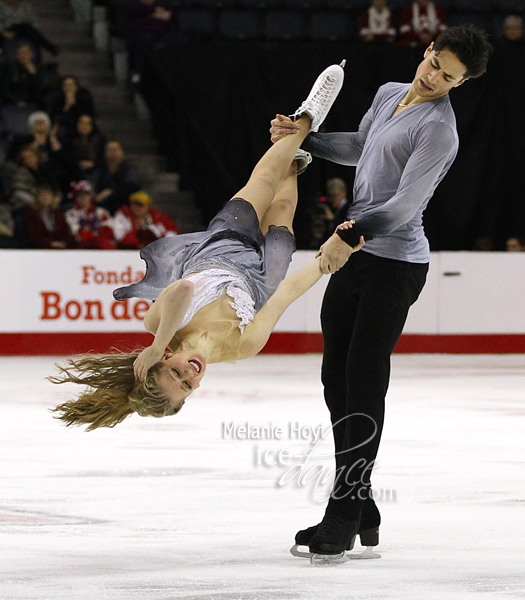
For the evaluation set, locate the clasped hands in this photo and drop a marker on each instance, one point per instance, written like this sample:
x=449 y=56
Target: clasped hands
x=335 y=252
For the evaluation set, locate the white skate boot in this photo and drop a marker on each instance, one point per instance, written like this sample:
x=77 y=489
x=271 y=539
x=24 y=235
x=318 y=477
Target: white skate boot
x=322 y=95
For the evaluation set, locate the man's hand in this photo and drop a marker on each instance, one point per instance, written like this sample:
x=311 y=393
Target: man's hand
x=334 y=252
x=145 y=360
x=282 y=126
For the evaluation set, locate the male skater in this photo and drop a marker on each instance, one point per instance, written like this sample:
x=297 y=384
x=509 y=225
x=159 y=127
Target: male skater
x=405 y=145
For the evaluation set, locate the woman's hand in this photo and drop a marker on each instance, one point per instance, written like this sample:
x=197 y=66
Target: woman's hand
x=145 y=360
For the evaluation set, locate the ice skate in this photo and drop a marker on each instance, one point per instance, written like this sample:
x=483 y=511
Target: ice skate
x=303 y=159
x=302 y=540
x=334 y=534
x=368 y=535
x=322 y=95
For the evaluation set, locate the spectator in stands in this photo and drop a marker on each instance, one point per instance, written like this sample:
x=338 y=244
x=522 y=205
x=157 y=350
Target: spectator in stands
x=116 y=179
x=27 y=176
x=150 y=24
x=53 y=159
x=515 y=244
x=422 y=22
x=377 y=23
x=18 y=21
x=90 y=225
x=68 y=104
x=44 y=224
x=329 y=212
x=138 y=224
x=44 y=136
x=513 y=29
x=86 y=149
x=22 y=82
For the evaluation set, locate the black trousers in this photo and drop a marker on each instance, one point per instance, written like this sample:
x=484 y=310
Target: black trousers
x=364 y=310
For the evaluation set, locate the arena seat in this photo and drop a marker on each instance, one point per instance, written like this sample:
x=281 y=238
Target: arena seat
x=284 y=25
x=239 y=24
x=196 y=21
x=330 y=25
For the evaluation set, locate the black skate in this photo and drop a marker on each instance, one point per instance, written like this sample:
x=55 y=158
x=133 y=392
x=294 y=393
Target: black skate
x=368 y=535
x=334 y=535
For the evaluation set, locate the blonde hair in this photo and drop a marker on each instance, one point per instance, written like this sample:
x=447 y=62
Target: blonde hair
x=113 y=393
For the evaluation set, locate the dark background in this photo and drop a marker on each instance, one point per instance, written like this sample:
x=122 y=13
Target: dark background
x=213 y=102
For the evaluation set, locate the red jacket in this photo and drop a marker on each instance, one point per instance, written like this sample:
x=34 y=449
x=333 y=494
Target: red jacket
x=417 y=20
x=129 y=235
x=92 y=228
x=378 y=24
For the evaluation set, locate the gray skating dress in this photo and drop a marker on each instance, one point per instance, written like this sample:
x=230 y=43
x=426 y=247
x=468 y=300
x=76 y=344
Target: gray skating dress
x=233 y=243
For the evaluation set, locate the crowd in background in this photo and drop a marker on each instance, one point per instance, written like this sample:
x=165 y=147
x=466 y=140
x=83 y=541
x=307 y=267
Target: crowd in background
x=62 y=183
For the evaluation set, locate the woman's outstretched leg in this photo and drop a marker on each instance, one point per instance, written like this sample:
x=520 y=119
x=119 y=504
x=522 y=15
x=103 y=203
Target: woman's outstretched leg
x=282 y=209
x=264 y=181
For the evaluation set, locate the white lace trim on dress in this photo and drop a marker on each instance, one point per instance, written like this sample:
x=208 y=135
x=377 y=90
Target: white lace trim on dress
x=210 y=284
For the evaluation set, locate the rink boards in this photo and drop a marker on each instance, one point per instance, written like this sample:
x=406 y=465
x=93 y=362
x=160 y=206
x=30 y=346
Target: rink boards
x=60 y=302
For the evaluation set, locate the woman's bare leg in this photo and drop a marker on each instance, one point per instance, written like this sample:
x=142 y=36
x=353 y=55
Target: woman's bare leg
x=282 y=209
x=272 y=168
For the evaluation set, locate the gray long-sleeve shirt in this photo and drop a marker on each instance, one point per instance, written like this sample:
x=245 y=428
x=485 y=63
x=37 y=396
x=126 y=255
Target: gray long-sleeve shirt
x=400 y=161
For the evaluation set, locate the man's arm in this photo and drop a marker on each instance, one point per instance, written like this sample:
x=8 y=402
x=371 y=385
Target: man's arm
x=424 y=170
x=340 y=148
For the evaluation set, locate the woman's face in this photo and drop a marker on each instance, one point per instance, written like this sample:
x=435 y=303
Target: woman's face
x=181 y=374
x=83 y=200
x=69 y=86
x=44 y=199
x=85 y=125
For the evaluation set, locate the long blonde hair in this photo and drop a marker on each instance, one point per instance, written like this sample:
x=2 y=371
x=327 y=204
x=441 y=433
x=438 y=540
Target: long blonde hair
x=113 y=393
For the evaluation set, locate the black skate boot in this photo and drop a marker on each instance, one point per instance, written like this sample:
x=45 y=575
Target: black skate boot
x=368 y=534
x=303 y=537
x=334 y=534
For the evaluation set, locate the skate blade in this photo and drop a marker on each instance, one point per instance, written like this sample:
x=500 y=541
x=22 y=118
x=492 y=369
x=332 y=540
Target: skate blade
x=327 y=560
x=294 y=551
x=368 y=553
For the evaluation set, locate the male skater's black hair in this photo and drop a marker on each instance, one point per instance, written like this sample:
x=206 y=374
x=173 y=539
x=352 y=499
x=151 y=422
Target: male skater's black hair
x=471 y=46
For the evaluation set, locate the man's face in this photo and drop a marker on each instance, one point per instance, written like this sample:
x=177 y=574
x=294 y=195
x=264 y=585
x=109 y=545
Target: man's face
x=437 y=74
x=40 y=126
x=138 y=209
x=513 y=32
x=114 y=152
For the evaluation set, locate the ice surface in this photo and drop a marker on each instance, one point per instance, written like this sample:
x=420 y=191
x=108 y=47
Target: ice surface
x=176 y=508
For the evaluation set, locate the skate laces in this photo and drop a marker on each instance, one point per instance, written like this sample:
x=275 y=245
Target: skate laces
x=335 y=524
x=321 y=96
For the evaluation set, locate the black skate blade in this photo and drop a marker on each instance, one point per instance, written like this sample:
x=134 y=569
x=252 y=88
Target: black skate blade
x=327 y=560
x=294 y=551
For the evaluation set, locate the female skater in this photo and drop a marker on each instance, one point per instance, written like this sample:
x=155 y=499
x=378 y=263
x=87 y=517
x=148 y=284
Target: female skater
x=218 y=294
